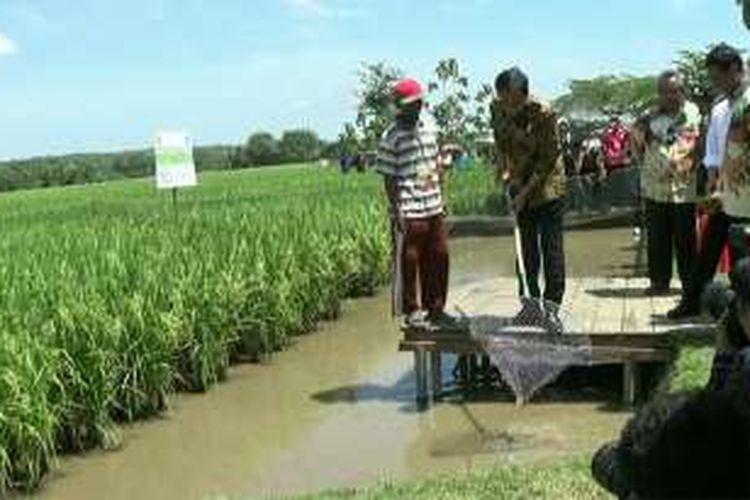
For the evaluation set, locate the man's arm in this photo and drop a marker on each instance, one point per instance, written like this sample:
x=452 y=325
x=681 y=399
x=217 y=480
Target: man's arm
x=388 y=165
x=391 y=192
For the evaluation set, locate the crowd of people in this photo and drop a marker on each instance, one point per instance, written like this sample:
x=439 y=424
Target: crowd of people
x=535 y=155
x=695 y=445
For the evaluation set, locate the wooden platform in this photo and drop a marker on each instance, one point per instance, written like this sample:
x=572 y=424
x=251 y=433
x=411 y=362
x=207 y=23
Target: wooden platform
x=622 y=323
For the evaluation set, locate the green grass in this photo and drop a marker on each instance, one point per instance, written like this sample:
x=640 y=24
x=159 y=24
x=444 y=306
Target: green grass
x=567 y=479
x=473 y=191
x=691 y=368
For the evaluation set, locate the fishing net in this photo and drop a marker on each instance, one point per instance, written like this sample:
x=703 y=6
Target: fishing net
x=533 y=347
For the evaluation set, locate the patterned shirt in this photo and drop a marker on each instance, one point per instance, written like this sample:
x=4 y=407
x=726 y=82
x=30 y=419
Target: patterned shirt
x=668 y=171
x=526 y=143
x=735 y=170
x=410 y=157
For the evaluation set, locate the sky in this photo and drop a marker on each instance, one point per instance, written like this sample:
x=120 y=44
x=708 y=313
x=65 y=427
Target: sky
x=105 y=75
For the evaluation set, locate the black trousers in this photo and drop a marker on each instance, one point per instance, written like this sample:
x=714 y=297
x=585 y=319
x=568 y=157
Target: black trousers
x=541 y=229
x=671 y=230
x=712 y=245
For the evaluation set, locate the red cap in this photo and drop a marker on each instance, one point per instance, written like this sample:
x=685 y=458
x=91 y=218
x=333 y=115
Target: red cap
x=407 y=91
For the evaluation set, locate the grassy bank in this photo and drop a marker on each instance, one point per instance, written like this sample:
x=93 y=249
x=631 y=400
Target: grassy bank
x=567 y=479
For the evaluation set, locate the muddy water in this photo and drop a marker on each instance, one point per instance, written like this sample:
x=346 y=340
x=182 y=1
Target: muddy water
x=337 y=411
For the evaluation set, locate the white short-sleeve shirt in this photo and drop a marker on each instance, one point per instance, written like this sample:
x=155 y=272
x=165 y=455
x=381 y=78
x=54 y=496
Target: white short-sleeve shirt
x=716 y=138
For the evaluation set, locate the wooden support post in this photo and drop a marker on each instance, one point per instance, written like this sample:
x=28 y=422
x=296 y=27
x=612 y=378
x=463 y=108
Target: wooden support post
x=630 y=382
x=463 y=370
x=420 y=371
x=436 y=367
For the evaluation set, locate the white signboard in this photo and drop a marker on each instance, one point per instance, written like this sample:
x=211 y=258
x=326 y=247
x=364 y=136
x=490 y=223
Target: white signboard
x=174 y=160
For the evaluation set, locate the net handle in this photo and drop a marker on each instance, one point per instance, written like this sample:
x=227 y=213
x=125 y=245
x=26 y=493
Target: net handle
x=519 y=246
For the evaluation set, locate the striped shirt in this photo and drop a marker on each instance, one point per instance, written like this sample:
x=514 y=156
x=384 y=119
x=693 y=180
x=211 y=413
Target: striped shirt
x=410 y=157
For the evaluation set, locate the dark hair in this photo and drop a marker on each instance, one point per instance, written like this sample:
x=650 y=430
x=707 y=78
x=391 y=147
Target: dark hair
x=512 y=79
x=667 y=75
x=723 y=57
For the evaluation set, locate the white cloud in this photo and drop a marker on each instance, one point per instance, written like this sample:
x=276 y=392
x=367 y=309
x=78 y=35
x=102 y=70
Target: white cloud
x=327 y=9
x=7 y=46
x=685 y=5
x=463 y=7
x=314 y=7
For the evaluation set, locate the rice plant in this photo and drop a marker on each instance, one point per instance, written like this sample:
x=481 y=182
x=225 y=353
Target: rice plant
x=113 y=298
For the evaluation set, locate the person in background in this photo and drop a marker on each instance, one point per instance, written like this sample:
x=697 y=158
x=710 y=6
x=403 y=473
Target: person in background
x=590 y=158
x=566 y=146
x=616 y=146
x=725 y=68
x=531 y=167
x=408 y=160
x=666 y=139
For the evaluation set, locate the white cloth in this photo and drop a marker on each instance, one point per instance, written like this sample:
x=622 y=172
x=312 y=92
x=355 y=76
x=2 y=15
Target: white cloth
x=716 y=138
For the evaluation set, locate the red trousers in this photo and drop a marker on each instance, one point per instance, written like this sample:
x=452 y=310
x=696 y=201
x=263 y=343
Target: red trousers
x=423 y=265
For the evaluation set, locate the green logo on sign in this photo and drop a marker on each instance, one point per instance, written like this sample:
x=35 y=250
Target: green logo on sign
x=172 y=157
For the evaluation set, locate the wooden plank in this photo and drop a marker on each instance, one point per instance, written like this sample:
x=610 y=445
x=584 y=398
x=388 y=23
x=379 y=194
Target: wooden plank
x=436 y=369
x=637 y=315
x=659 y=308
x=573 y=290
x=631 y=340
x=593 y=309
x=614 y=291
x=497 y=296
x=612 y=354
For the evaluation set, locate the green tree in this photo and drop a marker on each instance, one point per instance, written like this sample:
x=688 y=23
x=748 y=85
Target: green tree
x=373 y=101
x=609 y=95
x=479 y=119
x=299 y=146
x=745 y=5
x=260 y=149
x=691 y=65
x=450 y=108
x=348 y=141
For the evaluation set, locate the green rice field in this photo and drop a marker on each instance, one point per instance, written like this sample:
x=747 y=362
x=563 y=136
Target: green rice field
x=113 y=297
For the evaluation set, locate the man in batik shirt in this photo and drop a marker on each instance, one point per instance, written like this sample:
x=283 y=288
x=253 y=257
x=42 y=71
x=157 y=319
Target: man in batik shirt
x=531 y=166
x=667 y=138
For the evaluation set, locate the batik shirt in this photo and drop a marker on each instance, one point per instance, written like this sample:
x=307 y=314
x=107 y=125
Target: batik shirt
x=527 y=143
x=735 y=171
x=668 y=170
